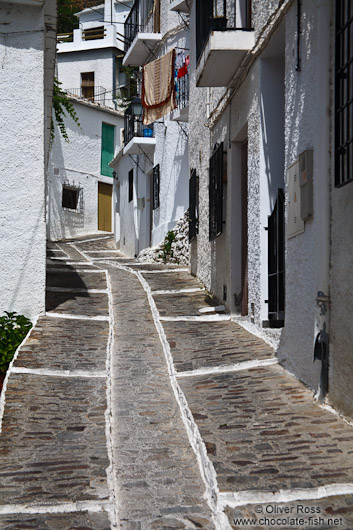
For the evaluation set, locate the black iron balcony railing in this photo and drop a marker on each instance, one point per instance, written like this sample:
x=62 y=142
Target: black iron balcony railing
x=133 y=126
x=220 y=15
x=144 y=17
x=182 y=92
x=96 y=94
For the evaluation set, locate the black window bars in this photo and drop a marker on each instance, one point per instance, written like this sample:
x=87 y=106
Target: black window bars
x=344 y=93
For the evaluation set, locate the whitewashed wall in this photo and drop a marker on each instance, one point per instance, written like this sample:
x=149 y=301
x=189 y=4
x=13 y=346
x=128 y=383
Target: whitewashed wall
x=78 y=162
x=22 y=155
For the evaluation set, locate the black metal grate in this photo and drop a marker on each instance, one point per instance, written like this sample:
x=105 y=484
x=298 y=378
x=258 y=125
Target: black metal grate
x=220 y=15
x=193 y=205
x=131 y=185
x=344 y=93
x=156 y=187
x=276 y=262
x=144 y=16
x=216 y=193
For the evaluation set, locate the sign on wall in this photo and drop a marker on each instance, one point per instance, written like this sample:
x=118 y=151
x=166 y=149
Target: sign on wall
x=295 y=224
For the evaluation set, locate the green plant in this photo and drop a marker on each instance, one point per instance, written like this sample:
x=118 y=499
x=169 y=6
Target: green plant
x=13 y=329
x=61 y=106
x=167 y=246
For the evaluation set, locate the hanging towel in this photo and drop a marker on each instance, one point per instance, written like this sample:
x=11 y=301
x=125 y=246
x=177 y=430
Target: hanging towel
x=158 y=93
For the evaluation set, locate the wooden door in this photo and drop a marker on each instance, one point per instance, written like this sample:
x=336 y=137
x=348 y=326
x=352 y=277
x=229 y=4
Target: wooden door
x=244 y=227
x=105 y=192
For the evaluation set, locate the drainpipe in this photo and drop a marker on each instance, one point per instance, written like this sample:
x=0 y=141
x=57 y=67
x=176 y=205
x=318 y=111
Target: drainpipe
x=323 y=214
x=136 y=211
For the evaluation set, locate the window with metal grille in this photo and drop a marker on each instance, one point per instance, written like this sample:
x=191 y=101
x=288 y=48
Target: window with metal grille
x=70 y=197
x=193 y=206
x=344 y=93
x=131 y=184
x=156 y=187
x=216 y=193
x=107 y=154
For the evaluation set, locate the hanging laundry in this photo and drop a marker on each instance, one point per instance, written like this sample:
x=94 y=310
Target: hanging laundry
x=182 y=71
x=158 y=88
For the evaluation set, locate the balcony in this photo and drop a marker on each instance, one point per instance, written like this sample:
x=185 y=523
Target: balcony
x=138 y=138
x=223 y=37
x=91 y=38
x=142 y=31
x=183 y=6
x=181 y=113
x=94 y=94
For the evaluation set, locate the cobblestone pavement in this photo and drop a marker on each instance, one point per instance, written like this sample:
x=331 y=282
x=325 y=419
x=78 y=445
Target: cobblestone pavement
x=191 y=423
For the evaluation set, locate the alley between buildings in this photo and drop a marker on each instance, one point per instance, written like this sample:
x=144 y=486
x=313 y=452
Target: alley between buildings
x=128 y=407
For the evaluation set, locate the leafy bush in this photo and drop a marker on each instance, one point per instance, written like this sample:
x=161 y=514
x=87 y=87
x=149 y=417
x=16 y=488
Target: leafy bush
x=167 y=250
x=13 y=329
x=62 y=106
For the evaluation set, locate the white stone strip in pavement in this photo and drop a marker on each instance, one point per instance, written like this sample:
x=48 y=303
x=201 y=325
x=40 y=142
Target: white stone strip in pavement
x=76 y=290
x=8 y=373
x=87 y=271
x=159 y=271
x=206 y=467
x=76 y=317
x=242 y=498
x=65 y=507
x=92 y=239
x=327 y=407
x=111 y=476
x=58 y=373
x=112 y=251
x=205 y=318
x=177 y=291
x=58 y=258
x=237 y=367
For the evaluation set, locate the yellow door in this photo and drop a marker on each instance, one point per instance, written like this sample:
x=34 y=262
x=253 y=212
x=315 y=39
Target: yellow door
x=105 y=192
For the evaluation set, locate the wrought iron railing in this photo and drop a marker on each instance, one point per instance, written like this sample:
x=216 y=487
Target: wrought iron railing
x=144 y=17
x=182 y=92
x=94 y=33
x=96 y=94
x=220 y=15
x=276 y=263
x=133 y=126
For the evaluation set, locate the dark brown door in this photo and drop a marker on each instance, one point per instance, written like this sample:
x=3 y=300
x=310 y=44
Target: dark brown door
x=244 y=227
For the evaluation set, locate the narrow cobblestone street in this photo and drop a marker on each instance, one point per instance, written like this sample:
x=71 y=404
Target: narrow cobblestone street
x=127 y=407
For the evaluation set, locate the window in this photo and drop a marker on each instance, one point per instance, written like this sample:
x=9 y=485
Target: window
x=156 y=187
x=107 y=154
x=344 y=93
x=193 y=205
x=70 y=197
x=87 y=85
x=131 y=185
x=216 y=193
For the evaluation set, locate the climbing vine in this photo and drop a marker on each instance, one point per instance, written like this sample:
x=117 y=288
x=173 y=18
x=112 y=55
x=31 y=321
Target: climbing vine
x=62 y=106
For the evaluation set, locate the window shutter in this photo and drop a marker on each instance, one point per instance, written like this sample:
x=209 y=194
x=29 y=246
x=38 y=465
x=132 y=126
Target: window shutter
x=107 y=149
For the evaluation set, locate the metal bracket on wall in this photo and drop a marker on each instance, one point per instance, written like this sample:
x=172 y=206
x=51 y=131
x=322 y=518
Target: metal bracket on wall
x=137 y=164
x=184 y=129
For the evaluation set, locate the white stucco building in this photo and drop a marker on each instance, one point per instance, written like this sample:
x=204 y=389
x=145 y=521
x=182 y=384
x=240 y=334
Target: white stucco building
x=152 y=167
x=96 y=51
x=89 y=70
x=80 y=198
x=274 y=170
x=27 y=49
